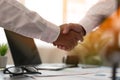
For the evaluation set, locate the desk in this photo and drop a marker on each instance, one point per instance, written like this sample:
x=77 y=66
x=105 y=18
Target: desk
x=98 y=73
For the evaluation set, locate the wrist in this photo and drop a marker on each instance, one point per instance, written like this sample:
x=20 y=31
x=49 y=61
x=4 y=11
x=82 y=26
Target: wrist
x=83 y=30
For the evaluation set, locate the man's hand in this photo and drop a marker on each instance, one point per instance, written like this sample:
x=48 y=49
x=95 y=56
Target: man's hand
x=67 y=41
x=69 y=36
x=75 y=27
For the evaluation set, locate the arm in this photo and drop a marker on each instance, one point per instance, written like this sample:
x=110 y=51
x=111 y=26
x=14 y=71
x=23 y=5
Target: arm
x=93 y=18
x=15 y=17
x=97 y=13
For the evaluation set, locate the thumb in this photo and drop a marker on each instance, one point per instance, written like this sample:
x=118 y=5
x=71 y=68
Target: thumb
x=66 y=29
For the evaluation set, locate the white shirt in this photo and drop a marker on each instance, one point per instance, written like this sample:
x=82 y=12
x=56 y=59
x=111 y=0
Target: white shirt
x=15 y=17
x=97 y=13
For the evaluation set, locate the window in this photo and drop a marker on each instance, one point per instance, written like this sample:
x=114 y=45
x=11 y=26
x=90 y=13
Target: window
x=76 y=9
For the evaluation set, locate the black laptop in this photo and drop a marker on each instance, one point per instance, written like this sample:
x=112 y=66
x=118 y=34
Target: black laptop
x=24 y=52
x=23 y=49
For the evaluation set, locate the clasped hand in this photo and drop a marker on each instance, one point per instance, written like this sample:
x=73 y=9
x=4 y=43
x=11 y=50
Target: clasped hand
x=69 y=36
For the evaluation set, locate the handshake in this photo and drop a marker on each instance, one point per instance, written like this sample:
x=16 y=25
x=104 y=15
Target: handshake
x=69 y=36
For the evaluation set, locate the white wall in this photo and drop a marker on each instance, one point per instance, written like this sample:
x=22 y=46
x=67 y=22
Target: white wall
x=50 y=10
x=48 y=55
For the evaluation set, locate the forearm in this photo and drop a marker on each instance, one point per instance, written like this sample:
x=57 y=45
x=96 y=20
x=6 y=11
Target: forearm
x=96 y=14
x=17 y=18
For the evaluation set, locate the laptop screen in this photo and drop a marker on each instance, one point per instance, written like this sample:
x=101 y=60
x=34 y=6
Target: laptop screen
x=23 y=49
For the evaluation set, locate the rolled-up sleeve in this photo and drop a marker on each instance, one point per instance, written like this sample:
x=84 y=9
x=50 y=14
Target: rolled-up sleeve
x=15 y=17
x=97 y=13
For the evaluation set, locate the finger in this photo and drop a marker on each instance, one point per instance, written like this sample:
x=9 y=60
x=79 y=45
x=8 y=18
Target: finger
x=62 y=47
x=65 y=47
x=54 y=44
x=66 y=29
x=78 y=36
x=72 y=46
x=81 y=39
x=75 y=27
x=74 y=42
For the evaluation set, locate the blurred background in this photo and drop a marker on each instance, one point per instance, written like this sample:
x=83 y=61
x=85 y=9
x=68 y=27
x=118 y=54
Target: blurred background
x=65 y=11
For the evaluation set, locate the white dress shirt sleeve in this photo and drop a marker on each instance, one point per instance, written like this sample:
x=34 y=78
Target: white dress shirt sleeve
x=15 y=17
x=97 y=13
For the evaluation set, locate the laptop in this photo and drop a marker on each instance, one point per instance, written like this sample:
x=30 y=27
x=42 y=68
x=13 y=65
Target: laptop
x=24 y=52
x=23 y=49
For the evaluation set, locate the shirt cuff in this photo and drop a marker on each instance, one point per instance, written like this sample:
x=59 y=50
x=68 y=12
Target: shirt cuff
x=50 y=33
x=87 y=25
